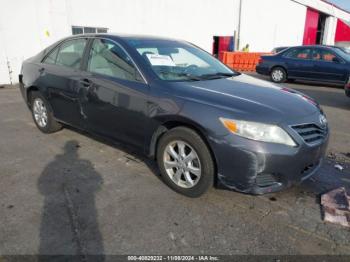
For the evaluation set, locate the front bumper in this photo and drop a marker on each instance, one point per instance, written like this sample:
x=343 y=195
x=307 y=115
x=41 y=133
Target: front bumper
x=258 y=168
x=347 y=90
x=22 y=89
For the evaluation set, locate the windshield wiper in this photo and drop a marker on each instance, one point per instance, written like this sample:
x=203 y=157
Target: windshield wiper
x=218 y=75
x=188 y=76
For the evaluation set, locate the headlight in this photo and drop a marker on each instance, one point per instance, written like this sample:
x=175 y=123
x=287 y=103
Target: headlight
x=258 y=131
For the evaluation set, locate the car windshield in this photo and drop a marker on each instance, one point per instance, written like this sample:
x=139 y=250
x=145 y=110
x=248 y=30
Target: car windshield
x=343 y=53
x=176 y=61
x=344 y=49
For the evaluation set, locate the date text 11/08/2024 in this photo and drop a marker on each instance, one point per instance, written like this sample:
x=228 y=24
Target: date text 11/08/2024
x=173 y=258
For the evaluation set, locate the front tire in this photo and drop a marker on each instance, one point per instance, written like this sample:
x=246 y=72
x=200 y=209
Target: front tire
x=185 y=162
x=42 y=114
x=278 y=75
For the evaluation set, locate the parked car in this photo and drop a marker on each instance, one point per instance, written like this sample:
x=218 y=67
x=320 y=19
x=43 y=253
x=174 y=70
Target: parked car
x=203 y=123
x=278 y=49
x=347 y=88
x=312 y=63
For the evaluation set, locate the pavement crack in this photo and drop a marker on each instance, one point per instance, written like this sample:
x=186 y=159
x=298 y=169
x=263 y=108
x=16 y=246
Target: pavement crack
x=75 y=224
x=267 y=213
x=133 y=159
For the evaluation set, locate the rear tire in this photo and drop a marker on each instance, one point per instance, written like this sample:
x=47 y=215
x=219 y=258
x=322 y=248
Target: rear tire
x=278 y=75
x=189 y=168
x=42 y=114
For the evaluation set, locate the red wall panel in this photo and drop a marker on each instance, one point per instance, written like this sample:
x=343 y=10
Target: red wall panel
x=343 y=32
x=311 y=25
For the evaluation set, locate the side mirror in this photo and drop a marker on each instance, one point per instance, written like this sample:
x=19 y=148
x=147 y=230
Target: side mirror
x=336 y=60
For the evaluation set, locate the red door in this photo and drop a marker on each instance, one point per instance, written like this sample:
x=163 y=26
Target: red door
x=311 y=25
x=343 y=32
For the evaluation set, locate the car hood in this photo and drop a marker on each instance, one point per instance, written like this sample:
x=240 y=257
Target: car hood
x=250 y=98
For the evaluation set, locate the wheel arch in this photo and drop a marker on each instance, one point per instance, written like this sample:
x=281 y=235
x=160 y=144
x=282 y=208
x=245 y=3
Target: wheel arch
x=179 y=122
x=281 y=66
x=29 y=91
x=32 y=89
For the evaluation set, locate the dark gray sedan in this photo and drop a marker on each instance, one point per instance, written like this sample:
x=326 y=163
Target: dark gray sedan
x=203 y=123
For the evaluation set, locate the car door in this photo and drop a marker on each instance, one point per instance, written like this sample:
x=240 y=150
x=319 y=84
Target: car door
x=330 y=67
x=60 y=77
x=114 y=96
x=299 y=64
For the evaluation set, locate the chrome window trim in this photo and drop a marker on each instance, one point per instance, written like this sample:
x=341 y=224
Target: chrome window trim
x=98 y=37
x=58 y=46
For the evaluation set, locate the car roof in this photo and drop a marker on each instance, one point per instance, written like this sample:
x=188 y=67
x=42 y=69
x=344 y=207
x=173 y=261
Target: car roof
x=315 y=46
x=124 y=36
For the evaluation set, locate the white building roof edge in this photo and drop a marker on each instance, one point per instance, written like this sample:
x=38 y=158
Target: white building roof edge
x=326 y=8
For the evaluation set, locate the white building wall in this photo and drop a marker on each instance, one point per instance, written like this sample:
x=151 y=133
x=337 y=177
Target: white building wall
x=270 y=23
x=330 y=30
x=4 y=75
x=23 y=27
x=26 y=27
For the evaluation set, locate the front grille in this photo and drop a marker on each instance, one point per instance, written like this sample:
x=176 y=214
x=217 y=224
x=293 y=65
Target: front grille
x=311 y=133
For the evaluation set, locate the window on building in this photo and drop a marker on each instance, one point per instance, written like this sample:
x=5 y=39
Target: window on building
x=107 y=58
x=76 y=30
x=71 y=52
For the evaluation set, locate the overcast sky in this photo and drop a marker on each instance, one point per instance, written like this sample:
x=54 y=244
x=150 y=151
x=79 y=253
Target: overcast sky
x=341 y=3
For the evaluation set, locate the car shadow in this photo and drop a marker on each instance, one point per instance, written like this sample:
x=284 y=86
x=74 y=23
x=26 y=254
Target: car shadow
x=324 y=178
x=131 y=153
x=327 y=179
x=69 y=229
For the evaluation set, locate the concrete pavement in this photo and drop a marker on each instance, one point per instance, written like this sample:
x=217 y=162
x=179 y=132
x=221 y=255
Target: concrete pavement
x=69 y=193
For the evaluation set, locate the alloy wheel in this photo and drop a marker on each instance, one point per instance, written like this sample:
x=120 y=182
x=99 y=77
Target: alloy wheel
x=40 y=112
x=182 y=164
x=277 y=75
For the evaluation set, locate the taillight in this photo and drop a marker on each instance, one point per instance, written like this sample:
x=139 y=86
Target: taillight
x=261 y=60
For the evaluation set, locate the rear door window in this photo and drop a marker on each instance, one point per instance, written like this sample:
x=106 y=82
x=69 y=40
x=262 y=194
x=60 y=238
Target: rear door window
x=300 y=53
x=70 y=53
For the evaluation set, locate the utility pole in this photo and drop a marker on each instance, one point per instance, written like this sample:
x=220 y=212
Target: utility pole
x=239 y=25
x=9 y=69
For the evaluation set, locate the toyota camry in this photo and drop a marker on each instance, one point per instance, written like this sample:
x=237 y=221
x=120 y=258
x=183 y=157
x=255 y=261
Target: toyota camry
x=203 y=123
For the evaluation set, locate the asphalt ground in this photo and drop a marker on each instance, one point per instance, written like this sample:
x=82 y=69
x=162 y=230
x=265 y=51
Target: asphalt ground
x=74 y=193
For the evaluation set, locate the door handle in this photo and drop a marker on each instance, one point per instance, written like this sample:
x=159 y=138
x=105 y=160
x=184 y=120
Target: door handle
x=41 y=70
x=85 y=82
